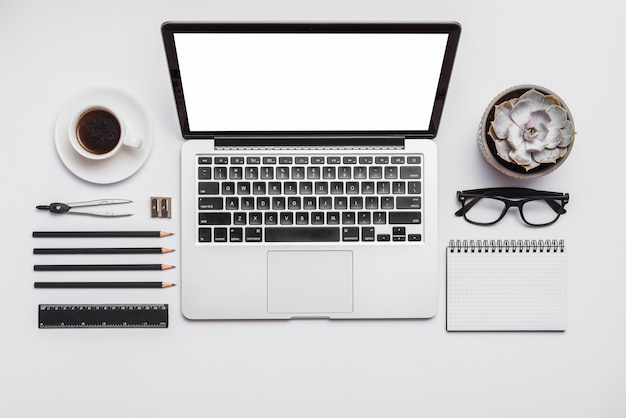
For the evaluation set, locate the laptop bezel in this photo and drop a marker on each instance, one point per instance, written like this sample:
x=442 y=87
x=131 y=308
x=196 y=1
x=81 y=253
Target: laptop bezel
x=387 y=138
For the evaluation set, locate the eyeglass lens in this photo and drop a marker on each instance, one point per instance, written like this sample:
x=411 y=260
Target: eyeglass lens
x=487 y=210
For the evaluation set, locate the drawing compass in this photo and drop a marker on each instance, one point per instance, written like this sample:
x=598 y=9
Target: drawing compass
x=61 y=208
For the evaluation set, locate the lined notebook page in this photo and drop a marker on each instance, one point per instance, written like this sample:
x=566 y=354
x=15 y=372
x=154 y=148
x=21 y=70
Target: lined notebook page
x=506 y=286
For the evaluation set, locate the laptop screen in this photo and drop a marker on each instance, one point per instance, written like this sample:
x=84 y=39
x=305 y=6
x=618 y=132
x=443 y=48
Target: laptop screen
x=303 y=78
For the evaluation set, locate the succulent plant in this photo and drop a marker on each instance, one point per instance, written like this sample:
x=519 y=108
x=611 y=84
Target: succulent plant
x=531 y=130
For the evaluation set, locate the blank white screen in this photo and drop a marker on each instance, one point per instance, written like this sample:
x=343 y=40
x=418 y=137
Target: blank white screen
x=296 y=82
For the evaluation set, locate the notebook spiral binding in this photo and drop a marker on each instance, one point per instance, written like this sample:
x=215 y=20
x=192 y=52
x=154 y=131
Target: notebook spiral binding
x=508 y=246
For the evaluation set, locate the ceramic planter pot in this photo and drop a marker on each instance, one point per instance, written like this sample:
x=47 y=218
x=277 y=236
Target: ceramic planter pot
x=488 y=147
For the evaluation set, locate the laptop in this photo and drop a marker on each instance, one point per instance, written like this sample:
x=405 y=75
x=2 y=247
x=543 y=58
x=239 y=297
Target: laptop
x=309 y=170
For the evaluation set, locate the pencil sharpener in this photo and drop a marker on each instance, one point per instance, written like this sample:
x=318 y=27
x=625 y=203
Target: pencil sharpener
x=161 y=207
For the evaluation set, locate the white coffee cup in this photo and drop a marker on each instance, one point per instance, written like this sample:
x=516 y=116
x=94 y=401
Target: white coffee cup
x=98 y=132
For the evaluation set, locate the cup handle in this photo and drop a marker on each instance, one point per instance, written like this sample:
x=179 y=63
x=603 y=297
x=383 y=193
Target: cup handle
x=132 y=141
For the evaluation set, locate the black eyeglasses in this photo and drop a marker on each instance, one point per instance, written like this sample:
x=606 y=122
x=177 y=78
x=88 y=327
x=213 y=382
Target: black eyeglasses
x=488 y=206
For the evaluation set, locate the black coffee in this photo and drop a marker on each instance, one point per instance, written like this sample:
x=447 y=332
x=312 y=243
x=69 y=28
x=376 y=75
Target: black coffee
x=98 y=131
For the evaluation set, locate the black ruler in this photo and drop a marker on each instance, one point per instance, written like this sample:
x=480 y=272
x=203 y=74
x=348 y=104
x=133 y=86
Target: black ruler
x=103 y=316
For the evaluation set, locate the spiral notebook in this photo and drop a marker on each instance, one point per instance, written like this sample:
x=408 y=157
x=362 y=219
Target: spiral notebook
x=509 y=285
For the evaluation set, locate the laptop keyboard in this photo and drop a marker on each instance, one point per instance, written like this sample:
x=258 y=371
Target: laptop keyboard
x=343 y=198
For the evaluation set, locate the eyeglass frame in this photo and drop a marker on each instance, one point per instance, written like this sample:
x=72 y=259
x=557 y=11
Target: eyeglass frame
x=505 y=195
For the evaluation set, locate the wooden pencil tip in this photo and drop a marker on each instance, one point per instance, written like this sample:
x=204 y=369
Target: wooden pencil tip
x=166 y=284
x=166 y=250
x=166 y=267
x=165 y=234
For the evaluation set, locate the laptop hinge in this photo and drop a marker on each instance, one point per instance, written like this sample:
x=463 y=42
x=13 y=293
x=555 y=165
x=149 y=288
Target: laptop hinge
x=395 y=141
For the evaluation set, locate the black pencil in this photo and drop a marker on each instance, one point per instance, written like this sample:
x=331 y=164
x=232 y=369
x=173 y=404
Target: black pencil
x=101 y=285
x=100 y=234
x=138 y=250
x=100 y=267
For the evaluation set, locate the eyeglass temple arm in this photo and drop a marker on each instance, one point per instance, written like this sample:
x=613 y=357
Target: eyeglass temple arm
x=556 y=206
x=467 y=205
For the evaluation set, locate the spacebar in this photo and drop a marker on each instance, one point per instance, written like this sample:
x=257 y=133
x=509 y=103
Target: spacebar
x=302 y=234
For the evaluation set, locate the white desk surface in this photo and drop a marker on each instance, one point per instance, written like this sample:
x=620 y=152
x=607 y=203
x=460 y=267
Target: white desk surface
x=53 y=49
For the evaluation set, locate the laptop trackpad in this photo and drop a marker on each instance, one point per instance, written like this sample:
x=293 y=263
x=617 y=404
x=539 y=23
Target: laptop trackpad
x=309 y=282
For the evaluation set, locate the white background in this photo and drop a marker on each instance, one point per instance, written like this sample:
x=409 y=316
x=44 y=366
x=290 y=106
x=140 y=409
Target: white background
x=51 y=50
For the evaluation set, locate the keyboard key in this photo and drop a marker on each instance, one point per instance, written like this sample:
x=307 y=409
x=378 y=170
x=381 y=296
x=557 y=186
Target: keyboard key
x=350 y=234
x=302 y=234
x=352 y=187
x=220 y=173
x=235 y=173
x=317 y=218
x=278 y=203
x=371 y=202
x=291 y=187
x=254 y=234
x=332 y=218
x=398 y=187
x=376 y=172
x=348 y=218
x=360 y=172
x=210 y=203
x=313 y=173
x=205 y=187
x=247 y=203
x=236 y=234
x=379 y=218
x=204 y=173
x=252 y=173
x=282 y=173
x=302 y=218
x=364 y=218
x=345 y=173
x=271 y=218
x=228 y=188
x=408 y=217
x=326 y=203
x=410 y=172
x=298 y=172
x=219 y=218
x=243 y=187
x=204 y=234
x=367 y=233
x=391 y=172
x=267 y=173
x=220 y=235
x=409 y=202
x=286 y=218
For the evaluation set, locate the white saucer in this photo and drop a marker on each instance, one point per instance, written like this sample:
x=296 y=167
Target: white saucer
x=126 y=162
